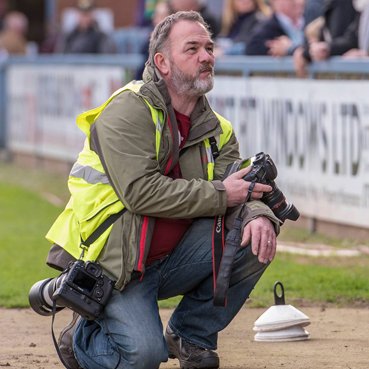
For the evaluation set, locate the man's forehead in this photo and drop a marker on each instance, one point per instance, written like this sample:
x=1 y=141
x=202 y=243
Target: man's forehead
x=188 y=31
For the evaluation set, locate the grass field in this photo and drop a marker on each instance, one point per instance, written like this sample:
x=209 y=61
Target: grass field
x=30 y=200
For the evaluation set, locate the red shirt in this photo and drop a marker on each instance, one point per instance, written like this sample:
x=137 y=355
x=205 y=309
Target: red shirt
x=168 y=232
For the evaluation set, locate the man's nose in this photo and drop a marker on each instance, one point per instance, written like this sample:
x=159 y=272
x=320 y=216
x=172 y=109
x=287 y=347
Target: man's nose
x=206 y=56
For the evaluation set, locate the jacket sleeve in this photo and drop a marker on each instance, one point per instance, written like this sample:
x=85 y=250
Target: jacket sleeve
x=126 y=136
x=256 y=44
x=349 y=40
x=265 y=31
x=252 y=210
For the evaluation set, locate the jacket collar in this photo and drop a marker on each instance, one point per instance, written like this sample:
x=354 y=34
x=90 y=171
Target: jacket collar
x=154 y=88
x=204 y=121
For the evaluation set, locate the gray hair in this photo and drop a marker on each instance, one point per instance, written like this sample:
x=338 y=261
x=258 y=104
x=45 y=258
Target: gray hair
x=160 y=34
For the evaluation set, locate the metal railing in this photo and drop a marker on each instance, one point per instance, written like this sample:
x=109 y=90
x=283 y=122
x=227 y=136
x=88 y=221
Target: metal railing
x=335 y=68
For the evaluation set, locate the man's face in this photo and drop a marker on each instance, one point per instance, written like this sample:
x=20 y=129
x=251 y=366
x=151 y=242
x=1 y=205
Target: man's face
x=293 y=9
x=191 y=59
x=85 y=19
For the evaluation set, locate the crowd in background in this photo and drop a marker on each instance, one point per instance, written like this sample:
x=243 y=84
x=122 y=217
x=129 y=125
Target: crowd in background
x=307 y=30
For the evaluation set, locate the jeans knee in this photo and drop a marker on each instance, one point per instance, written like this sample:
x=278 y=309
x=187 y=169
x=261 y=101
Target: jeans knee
x=246 y=266
x=149 y=354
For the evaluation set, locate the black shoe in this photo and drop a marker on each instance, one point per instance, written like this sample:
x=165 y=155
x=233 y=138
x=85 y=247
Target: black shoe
x=65 y=343
x=189 y=355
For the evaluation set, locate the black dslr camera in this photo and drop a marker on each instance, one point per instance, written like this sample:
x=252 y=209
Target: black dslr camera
x=82 y=287
x=264 y=171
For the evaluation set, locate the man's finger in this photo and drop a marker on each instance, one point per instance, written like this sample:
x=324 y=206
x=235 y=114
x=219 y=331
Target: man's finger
x=260 y=187
x=242 y=172
x=273 y=249
x=255 y=242
x=246 y=236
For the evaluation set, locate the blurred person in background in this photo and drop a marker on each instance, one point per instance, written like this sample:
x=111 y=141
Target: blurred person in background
x=361 y=6
x=282 y=33
x=198 y=6
x=86 y=37
x=3 y=11
x=335 y=33
x=162 y=9
x=52 y=35
x=145 y=10
x=13 y=37
x=239 y=19
x=313 y=10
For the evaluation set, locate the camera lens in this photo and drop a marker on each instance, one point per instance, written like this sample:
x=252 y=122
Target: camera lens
x=289 y=212
x=40 y=296
x=277 y=202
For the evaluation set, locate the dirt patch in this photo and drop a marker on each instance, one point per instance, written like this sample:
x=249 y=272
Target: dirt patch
x=338 y=340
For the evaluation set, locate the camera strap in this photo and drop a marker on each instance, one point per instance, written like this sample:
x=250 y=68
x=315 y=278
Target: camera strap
x=54 y=338
x=223 y=258
x=217 y=245
x=214 y=147
x=232 y=244
x=99 y=231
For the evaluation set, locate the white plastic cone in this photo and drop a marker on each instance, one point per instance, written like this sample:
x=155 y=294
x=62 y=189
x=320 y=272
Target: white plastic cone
x=296 y=333
x=281 y=322
x=280 y=317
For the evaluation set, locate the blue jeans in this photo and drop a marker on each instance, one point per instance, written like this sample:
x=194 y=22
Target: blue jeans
x=130 y=334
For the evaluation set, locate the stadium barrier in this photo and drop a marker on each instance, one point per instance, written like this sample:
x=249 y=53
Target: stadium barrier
x=315 y=129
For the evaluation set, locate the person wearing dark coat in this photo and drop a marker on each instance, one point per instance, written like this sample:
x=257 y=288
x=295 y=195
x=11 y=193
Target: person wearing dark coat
x=86 y=37
x=240 y=17
x=337 y=34
x=282 y=33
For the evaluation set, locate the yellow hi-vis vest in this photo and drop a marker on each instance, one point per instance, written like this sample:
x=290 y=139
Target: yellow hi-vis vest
x=93 y=199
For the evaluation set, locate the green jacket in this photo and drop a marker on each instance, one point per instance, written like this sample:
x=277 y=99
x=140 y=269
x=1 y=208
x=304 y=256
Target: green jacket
x=123 y=136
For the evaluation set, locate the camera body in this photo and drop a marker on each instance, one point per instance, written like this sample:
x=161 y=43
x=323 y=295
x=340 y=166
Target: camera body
x=264 y=171
x=84 y=289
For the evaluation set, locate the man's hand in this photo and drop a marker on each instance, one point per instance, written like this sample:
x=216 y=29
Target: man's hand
x=299 y=63
x=319 y=50
x=261 y=233
x=237 y=188
x=278 y=46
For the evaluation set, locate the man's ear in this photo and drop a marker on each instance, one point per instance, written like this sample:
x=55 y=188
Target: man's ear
x=162 y=63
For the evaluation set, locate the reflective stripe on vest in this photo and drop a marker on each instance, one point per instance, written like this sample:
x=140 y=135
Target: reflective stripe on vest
x=223 y=139
x=89 y=174
x=210 y=159
x=158 y=118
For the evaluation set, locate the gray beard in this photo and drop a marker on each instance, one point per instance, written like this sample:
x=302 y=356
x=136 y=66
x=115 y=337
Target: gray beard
x=187 y=85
